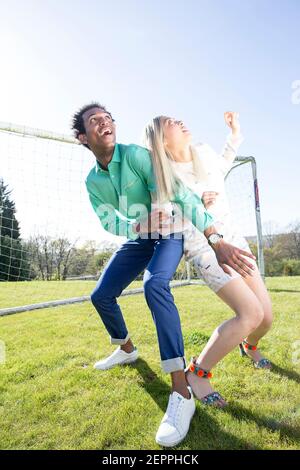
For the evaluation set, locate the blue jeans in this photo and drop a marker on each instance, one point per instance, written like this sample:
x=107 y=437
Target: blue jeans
x=160 y=257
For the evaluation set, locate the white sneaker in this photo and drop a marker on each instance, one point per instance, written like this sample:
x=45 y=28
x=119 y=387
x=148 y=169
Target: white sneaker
x=176 y=421
x=118 y=357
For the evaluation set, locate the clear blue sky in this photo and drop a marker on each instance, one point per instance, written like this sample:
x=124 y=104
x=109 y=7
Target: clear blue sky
x=192 y=59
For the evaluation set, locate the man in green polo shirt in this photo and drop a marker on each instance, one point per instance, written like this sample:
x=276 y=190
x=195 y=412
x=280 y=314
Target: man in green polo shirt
x=119 y=187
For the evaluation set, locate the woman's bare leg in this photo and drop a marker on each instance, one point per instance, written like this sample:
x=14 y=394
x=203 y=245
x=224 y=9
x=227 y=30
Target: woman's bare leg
x=249 y=315
x=258 y=287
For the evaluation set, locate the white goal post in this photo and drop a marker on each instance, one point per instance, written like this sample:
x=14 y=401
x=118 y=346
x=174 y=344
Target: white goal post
x=238 y=162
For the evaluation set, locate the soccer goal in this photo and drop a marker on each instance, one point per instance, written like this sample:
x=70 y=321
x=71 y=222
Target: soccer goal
x=243 y=194
x=52 y=244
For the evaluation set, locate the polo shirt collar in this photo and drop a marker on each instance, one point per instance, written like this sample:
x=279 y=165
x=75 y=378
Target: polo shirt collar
x=116 y=158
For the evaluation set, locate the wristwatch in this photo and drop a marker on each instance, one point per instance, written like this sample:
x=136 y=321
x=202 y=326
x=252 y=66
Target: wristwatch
x=214 y=238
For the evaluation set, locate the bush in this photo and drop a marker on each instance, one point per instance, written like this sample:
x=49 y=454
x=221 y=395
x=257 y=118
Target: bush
x=291 y=267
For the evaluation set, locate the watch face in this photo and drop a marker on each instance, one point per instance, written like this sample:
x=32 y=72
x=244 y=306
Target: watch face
x=214 y=238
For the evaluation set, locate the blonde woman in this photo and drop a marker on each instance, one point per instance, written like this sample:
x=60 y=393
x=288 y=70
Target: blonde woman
x=198 y=167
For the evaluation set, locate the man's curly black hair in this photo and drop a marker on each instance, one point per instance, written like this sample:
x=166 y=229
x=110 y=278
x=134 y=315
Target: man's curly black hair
x=77 y=124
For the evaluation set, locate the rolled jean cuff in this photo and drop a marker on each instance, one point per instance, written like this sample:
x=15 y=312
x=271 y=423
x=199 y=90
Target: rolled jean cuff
x=119 y=341
x=172 y=365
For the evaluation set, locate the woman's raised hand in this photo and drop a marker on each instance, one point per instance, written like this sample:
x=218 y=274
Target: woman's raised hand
x=232 y=121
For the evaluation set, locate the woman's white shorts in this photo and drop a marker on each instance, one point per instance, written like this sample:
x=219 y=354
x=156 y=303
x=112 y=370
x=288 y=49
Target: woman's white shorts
x=209 y=270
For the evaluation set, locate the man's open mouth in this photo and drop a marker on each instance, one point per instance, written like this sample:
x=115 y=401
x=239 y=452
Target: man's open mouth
x=106 y=132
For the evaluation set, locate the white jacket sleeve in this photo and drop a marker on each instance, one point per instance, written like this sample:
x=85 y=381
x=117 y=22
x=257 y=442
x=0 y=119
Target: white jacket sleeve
x=212 y=162
x=229 y=151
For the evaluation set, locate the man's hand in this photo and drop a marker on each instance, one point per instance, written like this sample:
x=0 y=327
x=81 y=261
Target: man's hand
x=209 y=198
x=229 y=255
x=155 y=222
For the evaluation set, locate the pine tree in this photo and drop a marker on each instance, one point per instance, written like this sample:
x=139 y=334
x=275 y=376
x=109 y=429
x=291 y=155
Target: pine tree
x=13 y=264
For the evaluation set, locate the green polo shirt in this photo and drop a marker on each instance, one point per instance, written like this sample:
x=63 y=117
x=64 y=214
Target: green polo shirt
x=121 y=195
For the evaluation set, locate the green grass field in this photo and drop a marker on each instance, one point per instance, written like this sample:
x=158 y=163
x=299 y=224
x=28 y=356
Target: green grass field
x=13 y=294
x=52 y=398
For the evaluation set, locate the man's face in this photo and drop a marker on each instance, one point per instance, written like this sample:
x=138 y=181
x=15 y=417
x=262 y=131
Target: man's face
x=100 y=130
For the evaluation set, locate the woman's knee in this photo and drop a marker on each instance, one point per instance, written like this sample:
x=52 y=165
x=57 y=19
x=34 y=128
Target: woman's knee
x=268 y=316
x=253 y=315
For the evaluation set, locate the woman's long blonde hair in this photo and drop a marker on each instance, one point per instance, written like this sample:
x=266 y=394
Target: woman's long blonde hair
x=167 y=180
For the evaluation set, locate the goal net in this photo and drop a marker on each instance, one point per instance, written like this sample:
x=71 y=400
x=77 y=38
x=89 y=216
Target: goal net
x=49 y=231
